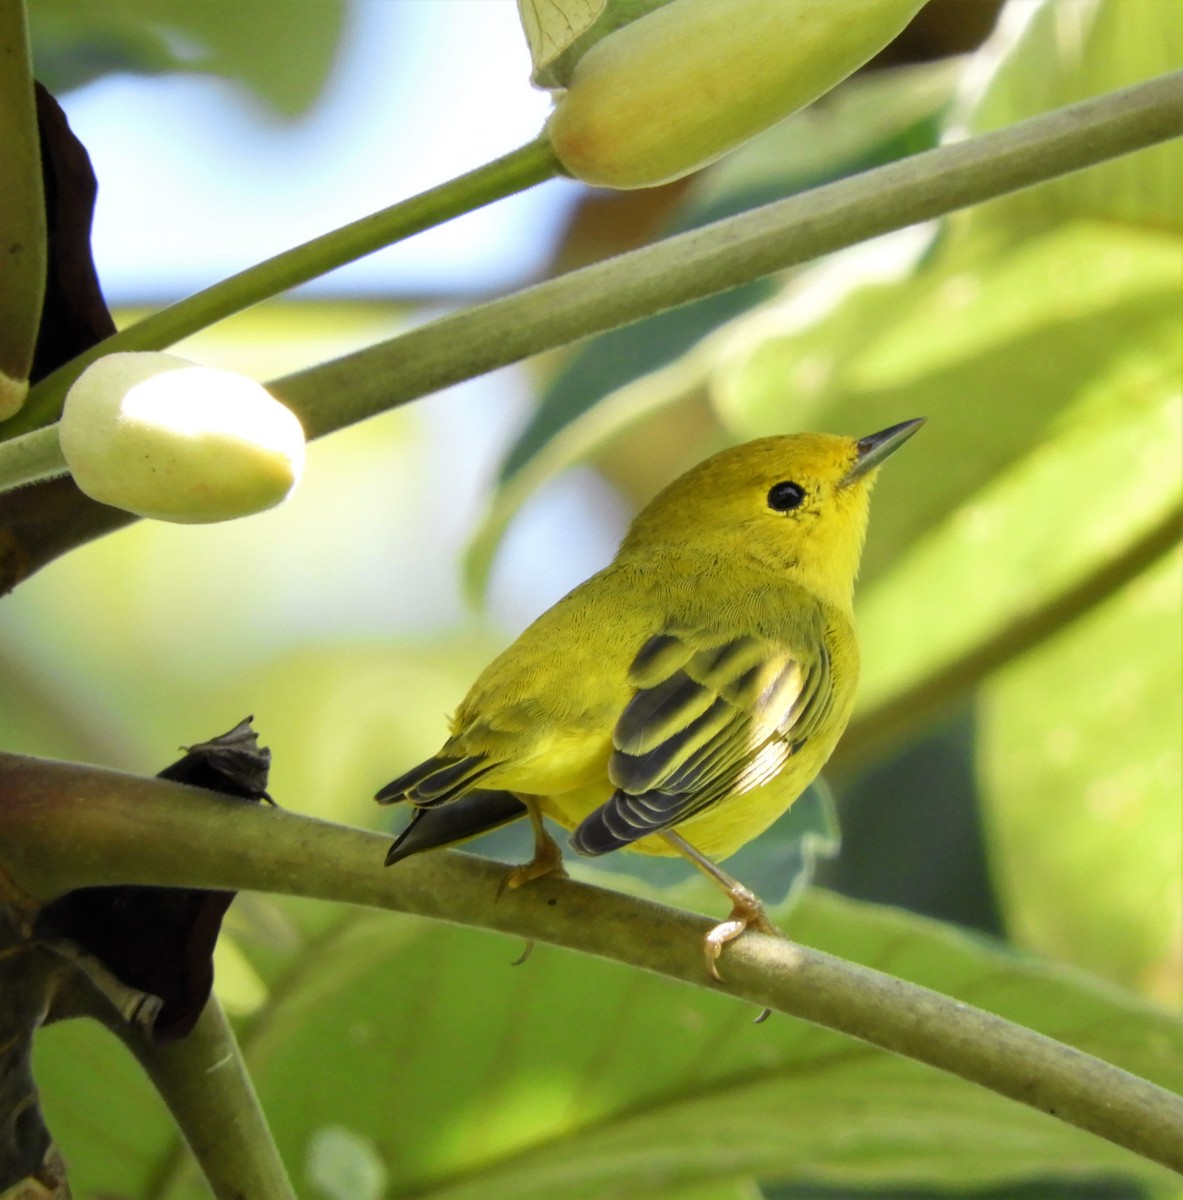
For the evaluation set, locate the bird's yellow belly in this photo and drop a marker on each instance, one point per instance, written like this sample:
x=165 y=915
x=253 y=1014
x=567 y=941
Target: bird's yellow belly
x=557 y=768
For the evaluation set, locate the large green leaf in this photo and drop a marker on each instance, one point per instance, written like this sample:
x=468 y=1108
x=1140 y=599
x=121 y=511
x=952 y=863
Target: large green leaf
x=1090 y=46
x=992 y=350
x=420 y=1047
x=1081 y=759
x=112 y=1128
x=575 y=1077
x=1107 y=469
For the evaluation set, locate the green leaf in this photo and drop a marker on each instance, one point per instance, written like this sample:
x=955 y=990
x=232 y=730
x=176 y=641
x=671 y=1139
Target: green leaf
x=256 y=44
x=991 y=348
x=1080 y=762
x=1057 y=514
x=460 y=1076
x=572 y=1076
x=111 y=1126
x=1065 y=53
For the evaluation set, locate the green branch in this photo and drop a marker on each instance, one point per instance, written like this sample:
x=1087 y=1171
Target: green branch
x=731 y=252
x=64 y=826
x=30 y=458
x=205 y=1084
x=514 y=172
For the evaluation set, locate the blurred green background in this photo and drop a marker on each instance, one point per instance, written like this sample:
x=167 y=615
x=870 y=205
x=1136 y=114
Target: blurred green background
x=1013 y=770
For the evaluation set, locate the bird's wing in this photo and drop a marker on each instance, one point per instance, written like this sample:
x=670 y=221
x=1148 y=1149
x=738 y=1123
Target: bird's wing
x=708 y=719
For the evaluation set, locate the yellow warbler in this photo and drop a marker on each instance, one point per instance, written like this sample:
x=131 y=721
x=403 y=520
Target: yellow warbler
x=681 y=699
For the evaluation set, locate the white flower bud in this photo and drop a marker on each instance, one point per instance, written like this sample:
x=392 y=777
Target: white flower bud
x=162 y=437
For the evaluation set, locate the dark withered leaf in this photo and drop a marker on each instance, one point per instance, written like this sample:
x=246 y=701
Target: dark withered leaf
x=161 y=940
x=74 y=315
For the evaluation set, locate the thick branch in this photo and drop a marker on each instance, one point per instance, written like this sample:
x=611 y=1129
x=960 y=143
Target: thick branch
x=65 y=826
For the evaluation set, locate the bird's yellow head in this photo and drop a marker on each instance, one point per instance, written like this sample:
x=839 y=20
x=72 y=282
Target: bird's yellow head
x=795 y=504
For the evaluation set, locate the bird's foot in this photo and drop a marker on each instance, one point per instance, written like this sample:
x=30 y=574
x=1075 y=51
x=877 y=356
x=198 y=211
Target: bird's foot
x=746 y=913
x=547 y=860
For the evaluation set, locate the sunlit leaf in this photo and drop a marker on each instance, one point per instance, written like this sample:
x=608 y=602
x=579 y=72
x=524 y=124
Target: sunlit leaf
x=552 y=25
x=463 y=1076
x=472 y=1078
x=991 y=348
x=1054 y=54
x=1057 y=514
x=1081 y=761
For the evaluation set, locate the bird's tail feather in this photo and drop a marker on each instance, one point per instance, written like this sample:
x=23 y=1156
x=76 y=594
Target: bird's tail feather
x=471 y=815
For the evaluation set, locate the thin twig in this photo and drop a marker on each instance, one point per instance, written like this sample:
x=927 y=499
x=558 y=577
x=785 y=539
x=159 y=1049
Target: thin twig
x=514 y=172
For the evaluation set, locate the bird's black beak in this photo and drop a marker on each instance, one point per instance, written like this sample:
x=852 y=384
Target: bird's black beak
x=875 y=448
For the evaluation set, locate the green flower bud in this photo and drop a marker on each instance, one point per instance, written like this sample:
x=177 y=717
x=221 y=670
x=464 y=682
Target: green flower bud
x=680 y=86
x=161 y=437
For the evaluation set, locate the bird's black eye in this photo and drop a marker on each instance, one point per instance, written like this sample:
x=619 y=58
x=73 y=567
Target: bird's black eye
x=785 y=495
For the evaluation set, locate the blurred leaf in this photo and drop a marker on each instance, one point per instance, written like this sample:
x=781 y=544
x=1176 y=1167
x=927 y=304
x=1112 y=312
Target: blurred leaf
x=1058 y=54
x=111 y=1126
x=717 y=1189
x=992 y=349
x=256 y=44
x=1081 y=758
x=350 y=717
x=1057 y=514
x=470 y=1078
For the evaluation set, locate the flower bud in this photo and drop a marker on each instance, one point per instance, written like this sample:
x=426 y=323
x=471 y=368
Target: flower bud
x=680 y=86
x=161 y=437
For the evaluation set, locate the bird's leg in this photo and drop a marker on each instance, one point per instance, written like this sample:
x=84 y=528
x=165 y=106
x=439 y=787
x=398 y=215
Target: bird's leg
x=746 y=910
x=548 y=858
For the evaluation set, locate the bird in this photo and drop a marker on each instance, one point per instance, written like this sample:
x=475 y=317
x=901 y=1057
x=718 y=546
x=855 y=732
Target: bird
x=679 y=700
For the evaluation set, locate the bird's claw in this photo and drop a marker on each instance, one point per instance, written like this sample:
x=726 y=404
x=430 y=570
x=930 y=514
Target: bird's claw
x=547 y=860
x=746 y=913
